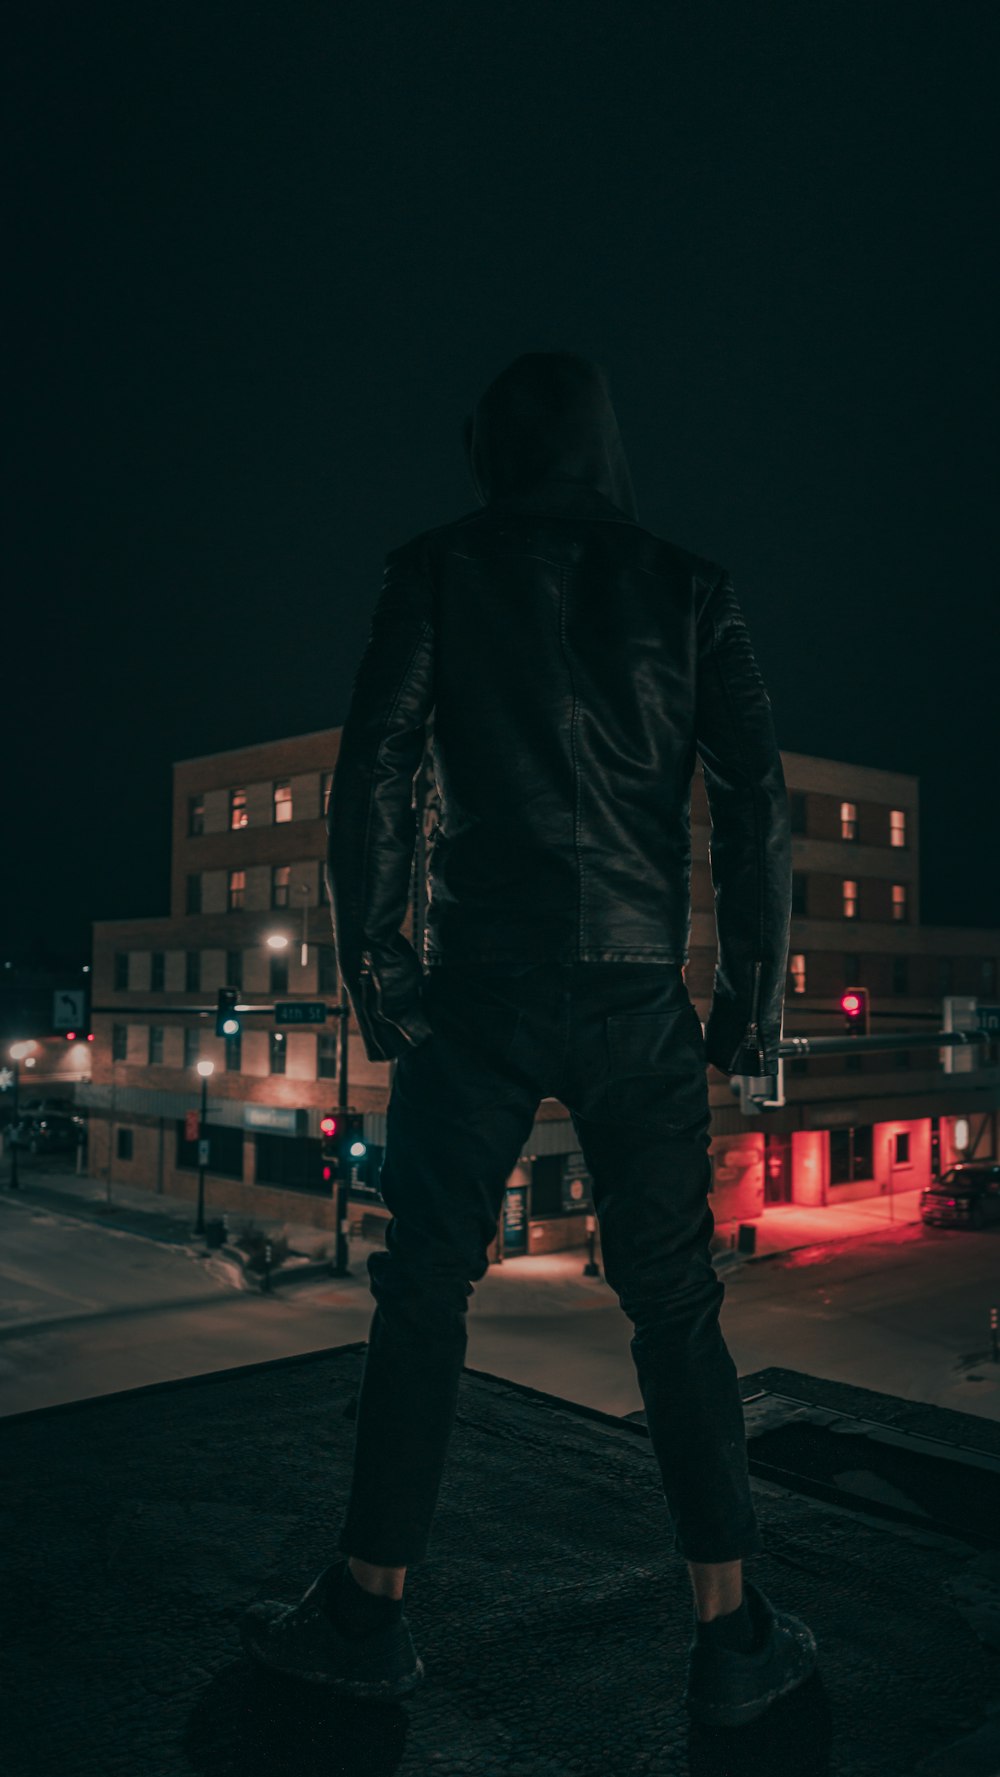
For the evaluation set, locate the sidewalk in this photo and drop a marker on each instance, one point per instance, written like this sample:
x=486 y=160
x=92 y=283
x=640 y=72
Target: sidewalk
x=783 y=1228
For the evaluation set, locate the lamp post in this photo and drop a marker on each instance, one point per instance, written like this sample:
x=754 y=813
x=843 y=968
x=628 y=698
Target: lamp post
x=206 y=1069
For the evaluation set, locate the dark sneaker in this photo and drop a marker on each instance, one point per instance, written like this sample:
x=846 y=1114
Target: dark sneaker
x=302 y=1641
x=726 y=1688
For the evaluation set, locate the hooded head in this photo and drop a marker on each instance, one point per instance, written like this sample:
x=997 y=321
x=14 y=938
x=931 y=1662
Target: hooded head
x=548 y=419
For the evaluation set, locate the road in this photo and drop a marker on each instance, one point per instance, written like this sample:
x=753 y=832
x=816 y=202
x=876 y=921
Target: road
x=87 y=1310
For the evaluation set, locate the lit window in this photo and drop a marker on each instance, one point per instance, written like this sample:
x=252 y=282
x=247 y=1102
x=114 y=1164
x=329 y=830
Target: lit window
x=237 y=808
x=281 y=881
x=899 y=905
x=848 y=820
x=850 y=900
x=797 y=969
x=325 y=786
x=282 y=802
x=897 y=826
x=237 y=888
x=196 y=815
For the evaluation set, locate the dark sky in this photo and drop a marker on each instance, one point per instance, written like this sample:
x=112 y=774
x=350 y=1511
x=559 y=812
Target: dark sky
x=266 y=256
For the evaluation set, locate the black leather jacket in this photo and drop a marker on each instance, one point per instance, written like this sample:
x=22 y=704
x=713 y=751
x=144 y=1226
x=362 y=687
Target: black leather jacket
x=570 y=667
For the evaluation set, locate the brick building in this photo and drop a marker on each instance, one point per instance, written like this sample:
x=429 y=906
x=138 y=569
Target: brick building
x=249 y=840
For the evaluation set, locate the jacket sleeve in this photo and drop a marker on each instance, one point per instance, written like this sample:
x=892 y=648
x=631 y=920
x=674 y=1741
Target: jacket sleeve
x=371 y=827
x=750 y=847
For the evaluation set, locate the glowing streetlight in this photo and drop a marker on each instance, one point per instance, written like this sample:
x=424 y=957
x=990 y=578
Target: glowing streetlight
x=278 y=941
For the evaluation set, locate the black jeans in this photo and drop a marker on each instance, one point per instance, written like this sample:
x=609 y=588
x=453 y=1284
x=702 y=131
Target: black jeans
x=620 y=1045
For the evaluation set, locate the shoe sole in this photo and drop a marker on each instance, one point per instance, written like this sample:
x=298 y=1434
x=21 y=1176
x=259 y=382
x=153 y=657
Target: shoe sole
x=733 y=1715
x=341 y=1685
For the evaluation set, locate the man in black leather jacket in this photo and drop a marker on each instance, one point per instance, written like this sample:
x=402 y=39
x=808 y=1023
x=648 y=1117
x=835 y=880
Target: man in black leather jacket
x=575 y=666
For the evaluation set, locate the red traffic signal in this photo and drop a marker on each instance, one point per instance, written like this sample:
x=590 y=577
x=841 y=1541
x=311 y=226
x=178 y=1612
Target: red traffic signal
x=855 y=1006
x=328 y=1125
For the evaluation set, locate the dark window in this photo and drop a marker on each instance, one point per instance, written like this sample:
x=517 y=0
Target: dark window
x=797 y=810
x=946 y=974
x=904 y=1058
x=121 y=971
x=852 y=970
x=192 y=903
x=192 y=1044
x=988 y=974
x=237 y=889
x=799 y=881
x=155 y=1045
x=192 y=971
x=850 y=1154
x=124 y=1144
x=326 y=1055
x=278 y=1052
x=281 y=885
x=157 y=971
x=327 y=982
x=234 y=969
x=119 y=1042
x=225 y=1150
x=901 y=974
x=546 y=1185
x=234 y=1053
x=279 y=972
x=196 y=815
x=293 y=1161
x=853 y=1064
x=902 y=1147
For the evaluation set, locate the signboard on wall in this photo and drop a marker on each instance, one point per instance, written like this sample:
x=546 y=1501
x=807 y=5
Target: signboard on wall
x=515 y=1219
x=577 y=1192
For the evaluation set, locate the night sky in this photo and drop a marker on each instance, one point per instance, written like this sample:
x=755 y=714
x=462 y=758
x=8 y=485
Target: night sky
x=263 y=259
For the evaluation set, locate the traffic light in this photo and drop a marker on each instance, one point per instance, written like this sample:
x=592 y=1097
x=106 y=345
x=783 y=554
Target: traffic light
x=342 y=1143
x=855 y=1006
x=353 y=1146
x=227 y=1023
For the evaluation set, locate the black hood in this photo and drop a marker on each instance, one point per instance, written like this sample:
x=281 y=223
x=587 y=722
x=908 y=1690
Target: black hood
x=547 y=419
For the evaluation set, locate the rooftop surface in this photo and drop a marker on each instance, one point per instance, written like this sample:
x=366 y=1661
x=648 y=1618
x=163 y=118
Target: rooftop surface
x=551 y=1613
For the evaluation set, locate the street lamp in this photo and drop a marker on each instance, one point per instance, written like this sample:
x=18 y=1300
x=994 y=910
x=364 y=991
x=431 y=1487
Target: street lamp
x=206 y=1069
x=18 y=1052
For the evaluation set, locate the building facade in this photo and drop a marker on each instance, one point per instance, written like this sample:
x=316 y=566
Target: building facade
x=249 y=840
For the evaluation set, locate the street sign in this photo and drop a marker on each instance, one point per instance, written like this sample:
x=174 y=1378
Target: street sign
x=67 y=1009
x=300 y=1012
x=192 y=1120
x=989 y=1018
x=203 y=1147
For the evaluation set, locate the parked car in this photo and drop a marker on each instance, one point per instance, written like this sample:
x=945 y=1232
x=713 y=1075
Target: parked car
x=50 y=1134
x=966 y=1196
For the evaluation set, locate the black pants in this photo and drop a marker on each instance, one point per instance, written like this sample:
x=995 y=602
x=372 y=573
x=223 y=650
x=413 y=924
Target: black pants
x=620 y=1045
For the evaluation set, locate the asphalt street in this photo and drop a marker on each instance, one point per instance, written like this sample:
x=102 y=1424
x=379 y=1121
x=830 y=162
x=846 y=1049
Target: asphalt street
x=87 y=1310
